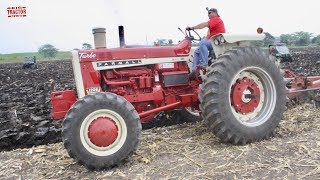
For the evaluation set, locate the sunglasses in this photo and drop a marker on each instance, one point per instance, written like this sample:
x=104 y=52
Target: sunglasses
x=209 y=12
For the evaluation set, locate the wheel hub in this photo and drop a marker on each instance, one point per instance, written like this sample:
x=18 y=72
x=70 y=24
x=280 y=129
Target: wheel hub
x=103 y=131
x=245 y=96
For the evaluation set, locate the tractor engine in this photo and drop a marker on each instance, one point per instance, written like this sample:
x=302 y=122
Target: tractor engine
x=150 y=87
x=152 y=79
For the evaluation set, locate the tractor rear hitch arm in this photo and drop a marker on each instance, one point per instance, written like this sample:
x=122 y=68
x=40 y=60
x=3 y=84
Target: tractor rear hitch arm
x=159 y=109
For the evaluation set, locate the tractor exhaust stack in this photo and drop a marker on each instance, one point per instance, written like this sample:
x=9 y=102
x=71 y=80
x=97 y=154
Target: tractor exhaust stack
x=99 y=35
x=121 y=36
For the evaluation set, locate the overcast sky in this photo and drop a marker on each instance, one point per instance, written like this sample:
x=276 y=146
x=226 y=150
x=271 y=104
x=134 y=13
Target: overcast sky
x=67 y=24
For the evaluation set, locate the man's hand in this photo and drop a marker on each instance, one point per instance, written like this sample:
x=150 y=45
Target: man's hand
x=189 y=28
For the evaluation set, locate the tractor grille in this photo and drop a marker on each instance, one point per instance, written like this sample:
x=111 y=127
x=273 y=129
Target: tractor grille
x=175 y=78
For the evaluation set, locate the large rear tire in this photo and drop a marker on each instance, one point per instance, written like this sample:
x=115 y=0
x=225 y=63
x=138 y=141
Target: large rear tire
x=101 y=130
x=243 y=96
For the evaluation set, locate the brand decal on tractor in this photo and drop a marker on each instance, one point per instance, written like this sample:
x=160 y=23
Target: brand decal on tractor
x=93 y=90
x=115 y=63
x=167 y=65
x=87 y=55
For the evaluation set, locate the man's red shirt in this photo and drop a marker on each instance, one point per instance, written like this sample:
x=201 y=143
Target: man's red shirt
x=216 y=26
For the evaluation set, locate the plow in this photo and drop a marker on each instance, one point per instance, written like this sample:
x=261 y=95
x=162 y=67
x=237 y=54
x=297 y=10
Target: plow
x=301 y=86
x=241 y=95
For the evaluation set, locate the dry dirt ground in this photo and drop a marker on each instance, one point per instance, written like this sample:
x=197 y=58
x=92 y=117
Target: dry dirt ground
x=189 y=151
x=181 y=151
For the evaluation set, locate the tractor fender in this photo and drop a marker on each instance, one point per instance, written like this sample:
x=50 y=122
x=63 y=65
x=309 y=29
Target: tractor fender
x=223 y=42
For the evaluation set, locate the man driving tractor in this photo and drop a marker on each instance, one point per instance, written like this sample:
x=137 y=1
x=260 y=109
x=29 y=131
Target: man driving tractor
x=216 y=26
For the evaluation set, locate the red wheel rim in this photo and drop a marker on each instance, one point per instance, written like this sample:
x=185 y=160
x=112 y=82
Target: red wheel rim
x=241 y=89
x=103 y=131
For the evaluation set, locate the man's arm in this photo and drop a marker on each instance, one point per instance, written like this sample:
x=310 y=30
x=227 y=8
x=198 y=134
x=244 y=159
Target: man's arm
x=200 y=26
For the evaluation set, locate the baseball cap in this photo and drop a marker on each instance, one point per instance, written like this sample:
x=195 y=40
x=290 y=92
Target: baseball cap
x=213 y=10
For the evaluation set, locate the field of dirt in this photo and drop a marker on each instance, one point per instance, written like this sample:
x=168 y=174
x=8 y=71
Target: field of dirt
x=189 y=151
x=184 y=150
x=25 y=106
x=306 y=62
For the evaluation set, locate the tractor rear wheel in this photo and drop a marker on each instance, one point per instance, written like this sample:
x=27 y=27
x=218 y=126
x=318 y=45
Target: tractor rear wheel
x=243 y=96
x=101 y=130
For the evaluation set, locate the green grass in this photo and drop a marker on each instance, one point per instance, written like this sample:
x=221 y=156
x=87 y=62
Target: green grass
x=19 y=57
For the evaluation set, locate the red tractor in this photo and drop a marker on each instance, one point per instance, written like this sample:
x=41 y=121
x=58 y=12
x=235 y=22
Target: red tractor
x=241 y=96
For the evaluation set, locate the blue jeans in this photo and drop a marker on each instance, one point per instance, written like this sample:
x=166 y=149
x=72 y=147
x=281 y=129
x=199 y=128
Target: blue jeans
x=201 y=54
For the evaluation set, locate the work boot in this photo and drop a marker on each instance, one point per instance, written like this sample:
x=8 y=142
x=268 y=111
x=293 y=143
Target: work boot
x=192 y=75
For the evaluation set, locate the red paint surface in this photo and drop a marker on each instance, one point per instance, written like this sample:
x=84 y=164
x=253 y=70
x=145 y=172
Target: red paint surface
x=239 y=87
x=103 y=131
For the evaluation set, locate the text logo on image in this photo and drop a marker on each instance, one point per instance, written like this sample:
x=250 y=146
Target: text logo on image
x=18 y=11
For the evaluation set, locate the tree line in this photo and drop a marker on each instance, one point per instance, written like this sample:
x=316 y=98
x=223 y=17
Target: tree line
x=293 y=39
x=49 y=51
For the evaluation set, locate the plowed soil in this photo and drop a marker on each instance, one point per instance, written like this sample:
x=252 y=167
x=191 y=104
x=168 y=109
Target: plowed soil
x=185 y=150
x=25 y=107
x=189 y=151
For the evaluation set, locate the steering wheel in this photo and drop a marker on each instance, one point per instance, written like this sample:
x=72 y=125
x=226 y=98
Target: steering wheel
x=189 y=34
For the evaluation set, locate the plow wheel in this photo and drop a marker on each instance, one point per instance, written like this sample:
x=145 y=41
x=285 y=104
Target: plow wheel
x=243 y=96
x=101 y=130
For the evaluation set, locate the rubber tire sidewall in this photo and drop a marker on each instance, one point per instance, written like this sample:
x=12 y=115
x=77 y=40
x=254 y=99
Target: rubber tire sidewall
x=215 y=93
x=80 y=110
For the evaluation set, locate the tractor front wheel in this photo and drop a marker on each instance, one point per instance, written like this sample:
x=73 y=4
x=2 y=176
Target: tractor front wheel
x=243 y=96
x=101 y=130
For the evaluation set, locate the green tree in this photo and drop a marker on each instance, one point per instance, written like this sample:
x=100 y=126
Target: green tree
x=289 y=39
x=164 y=42
x=316 y=40
x=269 y=39
x=302 y=38
x=48 y=51
x=86 y=46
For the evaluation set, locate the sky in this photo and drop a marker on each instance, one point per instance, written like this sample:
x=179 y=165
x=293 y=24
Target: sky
x=68 y=24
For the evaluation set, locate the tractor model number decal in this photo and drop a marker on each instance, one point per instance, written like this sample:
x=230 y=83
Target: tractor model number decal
x=166 y=65
x=117 y=63
x=92 y=90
